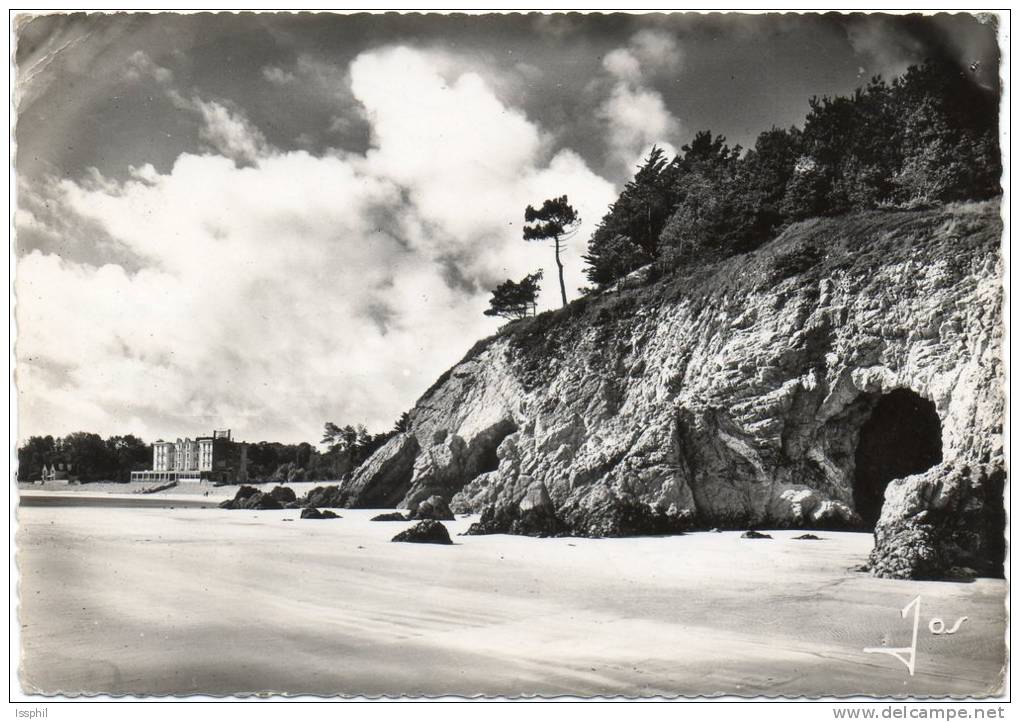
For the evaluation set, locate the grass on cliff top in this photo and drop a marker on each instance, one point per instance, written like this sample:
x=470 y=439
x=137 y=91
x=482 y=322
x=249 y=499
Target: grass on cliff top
x=807 y=252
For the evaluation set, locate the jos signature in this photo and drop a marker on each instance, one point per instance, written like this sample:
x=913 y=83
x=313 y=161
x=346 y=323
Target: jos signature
x=908 y=655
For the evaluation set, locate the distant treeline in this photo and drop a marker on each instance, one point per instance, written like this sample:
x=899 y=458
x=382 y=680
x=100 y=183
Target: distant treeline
x=87 y=457
x=929 y=137
x=84 y=456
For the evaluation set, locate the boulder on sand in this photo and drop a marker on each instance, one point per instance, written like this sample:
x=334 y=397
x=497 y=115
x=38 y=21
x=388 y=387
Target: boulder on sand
x=313 y=513
x=283 y=494
x=752 y=534
x=429 y=531
x=435 y=507
x=390 y=516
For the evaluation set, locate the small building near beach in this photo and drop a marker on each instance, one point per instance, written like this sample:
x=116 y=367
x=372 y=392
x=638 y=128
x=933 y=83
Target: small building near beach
x=58 y=472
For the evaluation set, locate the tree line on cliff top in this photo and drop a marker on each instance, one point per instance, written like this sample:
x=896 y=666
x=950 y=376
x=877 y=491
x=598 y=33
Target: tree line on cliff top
x=928 y=137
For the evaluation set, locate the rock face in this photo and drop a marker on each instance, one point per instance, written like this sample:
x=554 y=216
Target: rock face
x=429 y=531
x=384 y=478
x=947 y=518
x=784 y=388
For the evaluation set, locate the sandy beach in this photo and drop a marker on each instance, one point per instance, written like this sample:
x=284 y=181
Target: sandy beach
x=137 y=600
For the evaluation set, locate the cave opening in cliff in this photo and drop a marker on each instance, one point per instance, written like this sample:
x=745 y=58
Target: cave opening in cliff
x=485 y=447
x=902 y=436
x=489 y=460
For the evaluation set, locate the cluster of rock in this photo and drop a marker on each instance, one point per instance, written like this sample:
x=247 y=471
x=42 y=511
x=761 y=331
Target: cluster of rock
x=534 y=515
x=279 y=497
x=434 y=508
x=248 y=497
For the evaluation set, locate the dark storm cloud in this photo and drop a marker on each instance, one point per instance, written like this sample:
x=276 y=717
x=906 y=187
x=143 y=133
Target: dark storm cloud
x=742 y=73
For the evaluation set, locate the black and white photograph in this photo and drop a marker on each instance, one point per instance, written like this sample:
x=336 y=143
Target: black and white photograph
x=501 y=355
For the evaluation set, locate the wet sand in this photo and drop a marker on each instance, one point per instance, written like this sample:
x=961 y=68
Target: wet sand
x=186 y=601
x=199 y=495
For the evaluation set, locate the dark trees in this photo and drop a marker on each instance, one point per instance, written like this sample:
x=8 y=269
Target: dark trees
x=33 y=455
x=129 y=454
x=702 y=220
x=85 y=456
x=930 y=136
x=90 y=458
x=515 y=299
x=349 y=447
x=402 y=424
x=628 y=236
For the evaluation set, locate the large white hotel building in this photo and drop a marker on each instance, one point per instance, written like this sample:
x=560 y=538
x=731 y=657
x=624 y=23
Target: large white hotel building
x=215 y=457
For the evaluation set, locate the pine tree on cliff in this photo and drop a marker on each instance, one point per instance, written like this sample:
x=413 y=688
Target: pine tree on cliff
x=515 y=300
x=403 y=423
x=556 y=220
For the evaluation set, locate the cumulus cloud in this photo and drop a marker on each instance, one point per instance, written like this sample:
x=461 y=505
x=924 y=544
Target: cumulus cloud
x=277 y=75
x=140 y=66
x=230 y=133
x=227 y=130
x=634 y=112
x=293 y=289
x=45 y=222
x=657 y=50
x=623 y=64
x=638 y=119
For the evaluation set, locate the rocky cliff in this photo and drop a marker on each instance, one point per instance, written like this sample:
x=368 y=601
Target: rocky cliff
x=847 y=374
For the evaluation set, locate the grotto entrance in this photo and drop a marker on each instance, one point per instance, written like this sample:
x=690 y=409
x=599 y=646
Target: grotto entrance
x=902 y=436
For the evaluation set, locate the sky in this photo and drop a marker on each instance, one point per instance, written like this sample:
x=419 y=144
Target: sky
x=265 y=222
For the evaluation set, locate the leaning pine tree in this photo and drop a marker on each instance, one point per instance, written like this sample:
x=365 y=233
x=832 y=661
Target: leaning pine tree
x=556 y=220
